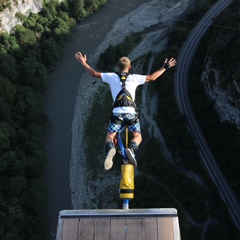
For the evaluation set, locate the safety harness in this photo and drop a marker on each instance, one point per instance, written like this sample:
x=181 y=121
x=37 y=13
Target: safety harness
x=124 y=98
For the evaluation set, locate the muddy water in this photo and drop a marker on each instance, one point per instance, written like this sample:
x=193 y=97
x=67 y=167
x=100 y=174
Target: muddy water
x=60 y=101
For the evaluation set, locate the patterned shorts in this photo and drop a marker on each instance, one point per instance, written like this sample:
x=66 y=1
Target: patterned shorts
x=119 y=119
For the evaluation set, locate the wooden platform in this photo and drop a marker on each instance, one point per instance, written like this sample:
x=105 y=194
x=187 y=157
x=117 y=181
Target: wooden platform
x=119 y=224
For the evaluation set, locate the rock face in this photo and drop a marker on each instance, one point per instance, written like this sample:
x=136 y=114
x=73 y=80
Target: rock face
x=226 y=98
x=7 y=17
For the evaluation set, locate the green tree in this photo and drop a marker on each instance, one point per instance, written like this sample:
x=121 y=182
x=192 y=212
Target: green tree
x=8 y=42
x=9 y=67
x=24 y=35
x=47 y=15
x=63 y=7
x=43 y=21
x=5 y=111
x=6 y=134
x=8 y=90
x=52 y=7
x=62 y=31
x=32 y=73
x=16 y=185
x=52 y=53
x=77 y=9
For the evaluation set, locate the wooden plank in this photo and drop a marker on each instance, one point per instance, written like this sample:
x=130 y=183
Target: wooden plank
x=70 y=229
x=102 y=229
x=118 y=228
x=134 y=229
x=176 y=229
x=149 y=226
x=133 y=224
x=165 y=228
x=86 y=228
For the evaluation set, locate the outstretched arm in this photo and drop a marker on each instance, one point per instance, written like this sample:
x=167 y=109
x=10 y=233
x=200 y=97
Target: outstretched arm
x=83 y=60
x=167 y=64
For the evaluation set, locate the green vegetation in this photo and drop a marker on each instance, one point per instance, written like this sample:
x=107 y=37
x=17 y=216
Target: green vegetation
x=26 y=58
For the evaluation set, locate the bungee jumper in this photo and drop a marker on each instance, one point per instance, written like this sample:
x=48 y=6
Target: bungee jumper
x=123 y=87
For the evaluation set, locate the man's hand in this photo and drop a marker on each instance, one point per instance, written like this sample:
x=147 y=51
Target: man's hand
x=81 y=58
x=168 y=64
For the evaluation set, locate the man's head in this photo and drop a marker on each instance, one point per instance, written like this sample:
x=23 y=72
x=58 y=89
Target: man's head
x=124 y=63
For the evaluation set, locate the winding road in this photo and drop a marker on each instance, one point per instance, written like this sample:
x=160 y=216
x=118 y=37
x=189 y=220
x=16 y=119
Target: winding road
x=182 y=96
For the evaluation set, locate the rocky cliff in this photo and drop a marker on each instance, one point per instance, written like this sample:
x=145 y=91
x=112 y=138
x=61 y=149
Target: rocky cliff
x=7 y=17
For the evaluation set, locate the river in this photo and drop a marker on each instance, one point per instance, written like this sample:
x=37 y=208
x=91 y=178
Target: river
x=59 y=102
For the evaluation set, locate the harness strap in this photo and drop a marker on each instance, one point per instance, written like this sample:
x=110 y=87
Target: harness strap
x=124 y=97
x=123 y=77
x=121 y=146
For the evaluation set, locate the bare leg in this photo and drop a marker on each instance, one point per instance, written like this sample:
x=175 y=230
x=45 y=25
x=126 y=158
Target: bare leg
x=137 y=137
x=110 y=137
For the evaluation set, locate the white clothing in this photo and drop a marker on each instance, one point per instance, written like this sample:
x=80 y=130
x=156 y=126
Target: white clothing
x=132 y=82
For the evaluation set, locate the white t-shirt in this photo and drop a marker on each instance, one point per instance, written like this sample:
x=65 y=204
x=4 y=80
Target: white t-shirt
x=132 y=82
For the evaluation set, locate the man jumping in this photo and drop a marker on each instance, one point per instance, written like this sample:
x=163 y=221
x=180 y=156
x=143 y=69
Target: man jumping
x=123 y=87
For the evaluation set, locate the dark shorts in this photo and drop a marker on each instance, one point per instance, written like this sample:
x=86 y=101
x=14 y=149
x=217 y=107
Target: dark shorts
x=117 y=120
